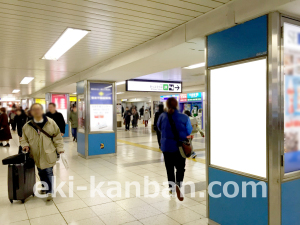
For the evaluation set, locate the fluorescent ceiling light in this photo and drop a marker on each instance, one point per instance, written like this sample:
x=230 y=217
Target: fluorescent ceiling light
x=27 y=80
x=75 y=93
x=120 y=93
x=198 y=65
x=121 y=82
x=66 y=41
x=8 y=99
x=16 y=91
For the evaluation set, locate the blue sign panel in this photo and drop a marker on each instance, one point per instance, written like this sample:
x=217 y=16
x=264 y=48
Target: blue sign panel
x=101 y=93
x=164 y=98
x=243 y=41
x=194 y=95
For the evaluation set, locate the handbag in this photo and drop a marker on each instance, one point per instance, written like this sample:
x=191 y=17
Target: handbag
x=185 y=147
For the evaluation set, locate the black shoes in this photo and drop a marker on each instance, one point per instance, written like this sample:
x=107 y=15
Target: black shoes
x=7 y=145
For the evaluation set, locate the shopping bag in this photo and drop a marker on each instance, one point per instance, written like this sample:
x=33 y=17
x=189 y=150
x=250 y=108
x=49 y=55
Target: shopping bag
x=64 y=161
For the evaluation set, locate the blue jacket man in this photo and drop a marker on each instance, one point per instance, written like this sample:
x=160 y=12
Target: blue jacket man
x=183 y=125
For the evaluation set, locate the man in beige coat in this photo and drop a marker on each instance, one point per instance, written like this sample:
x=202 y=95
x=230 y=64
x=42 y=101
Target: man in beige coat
x=42 y=149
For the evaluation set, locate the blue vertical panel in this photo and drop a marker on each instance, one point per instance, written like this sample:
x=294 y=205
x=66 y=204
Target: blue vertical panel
x=237 y=210
x=243 y=41
x=81 y=143
x=290 y=202
x=66 y=131
x=100 y=144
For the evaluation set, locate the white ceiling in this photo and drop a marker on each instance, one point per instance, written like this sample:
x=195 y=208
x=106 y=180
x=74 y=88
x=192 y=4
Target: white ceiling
x=28 y=28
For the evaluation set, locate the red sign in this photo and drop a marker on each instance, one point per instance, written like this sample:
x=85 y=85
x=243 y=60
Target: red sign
x=183 y=97
x=60 y=101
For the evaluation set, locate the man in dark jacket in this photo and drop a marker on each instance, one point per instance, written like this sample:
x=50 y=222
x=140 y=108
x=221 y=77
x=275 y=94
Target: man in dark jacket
x=127 y=116
x=57 y=117
x=20 y=119
x=141 y=111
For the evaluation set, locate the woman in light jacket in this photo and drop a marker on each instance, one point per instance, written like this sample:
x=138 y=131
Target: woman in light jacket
x=169 y=145
x=146 y=117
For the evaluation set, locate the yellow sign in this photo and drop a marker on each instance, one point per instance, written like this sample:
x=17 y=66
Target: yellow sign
x=73 y=99
x=42 y=101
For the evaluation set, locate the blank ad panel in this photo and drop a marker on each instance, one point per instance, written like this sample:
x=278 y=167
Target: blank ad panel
x=238 y=117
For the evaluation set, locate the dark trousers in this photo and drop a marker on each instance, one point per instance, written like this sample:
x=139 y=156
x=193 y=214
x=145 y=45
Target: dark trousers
x=13 y=125
x=158 y=134
x=46 y=176
x=174 y=160
x=146 y=123
x=127 y=124
x=74 y=133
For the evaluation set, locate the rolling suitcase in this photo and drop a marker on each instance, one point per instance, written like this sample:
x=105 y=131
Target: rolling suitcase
x=21 y=180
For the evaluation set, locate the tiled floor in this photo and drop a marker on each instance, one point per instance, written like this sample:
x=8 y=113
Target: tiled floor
x=137 y=156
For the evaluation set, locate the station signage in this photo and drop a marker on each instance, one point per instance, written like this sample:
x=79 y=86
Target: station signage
x=165 y=97
x=154 y=86
x=190 y=97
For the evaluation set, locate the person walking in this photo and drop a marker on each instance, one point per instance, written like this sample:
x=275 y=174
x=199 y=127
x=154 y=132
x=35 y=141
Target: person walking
x=135 y=118
x=20 y=119
x=156 y=116
x=141 y=112
x=169 y=145
x=11 y=117
x=146 y=117
x=196 y=128
x=57 y=117
x=127 y=116
x=5 y=134
x=42 y=139
x=73 y=118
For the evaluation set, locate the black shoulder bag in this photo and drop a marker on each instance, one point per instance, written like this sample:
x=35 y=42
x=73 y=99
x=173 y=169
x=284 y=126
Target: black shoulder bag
x=41 y=130
x=185 y=147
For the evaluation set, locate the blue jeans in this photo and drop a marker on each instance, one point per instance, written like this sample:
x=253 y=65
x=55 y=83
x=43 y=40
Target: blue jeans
x=74 y=132
x=46 y=175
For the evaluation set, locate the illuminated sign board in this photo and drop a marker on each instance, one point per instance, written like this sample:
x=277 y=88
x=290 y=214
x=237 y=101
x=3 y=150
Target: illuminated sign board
x=190 y=97
x=154 y=86
x=165 y=97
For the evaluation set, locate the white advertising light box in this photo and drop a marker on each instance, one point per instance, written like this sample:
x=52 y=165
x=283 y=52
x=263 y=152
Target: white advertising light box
x=238 y=136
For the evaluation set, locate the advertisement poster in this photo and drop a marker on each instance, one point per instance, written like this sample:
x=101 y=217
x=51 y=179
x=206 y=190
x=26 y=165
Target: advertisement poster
x=119 y=108
x=190 y=97
x=291 y=98
x=81 y=114
x=60 y=101
x=101 y=107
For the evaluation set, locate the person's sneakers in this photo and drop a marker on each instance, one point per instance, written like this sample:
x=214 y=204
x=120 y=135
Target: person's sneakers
x=194 y=155
x=179 y=194
x=49 y=197
x=73 y=138
x=7 y=145
x=42 y=192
